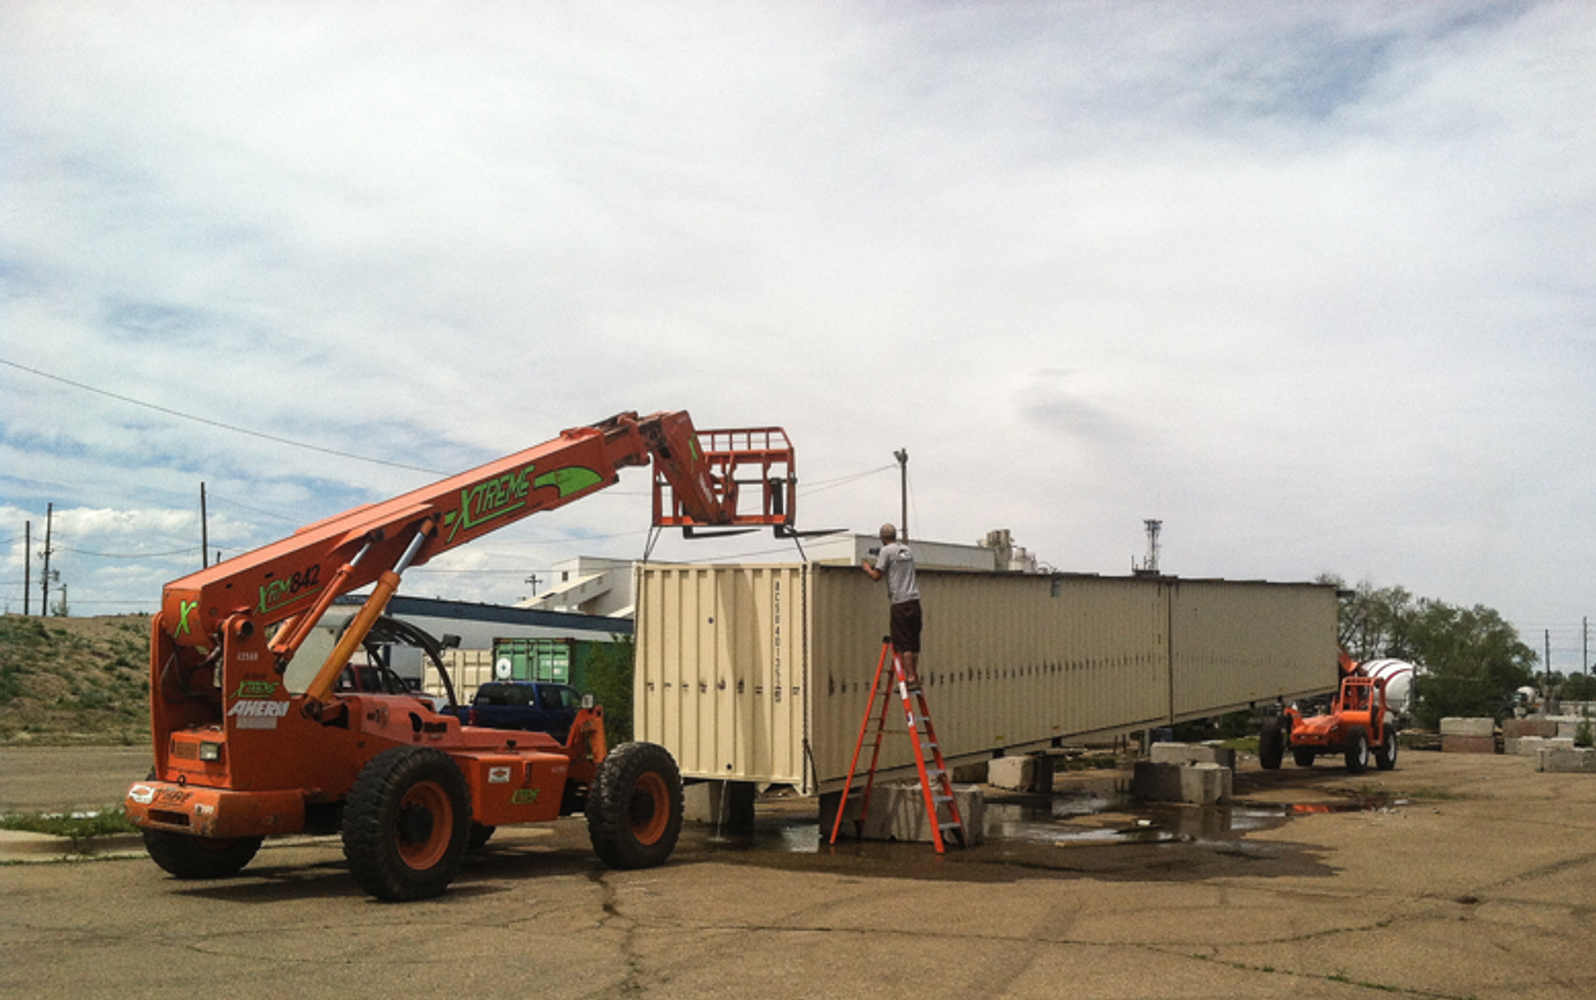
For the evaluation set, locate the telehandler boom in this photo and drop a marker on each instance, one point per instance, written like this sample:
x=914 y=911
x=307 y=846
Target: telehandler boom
x=245 y=749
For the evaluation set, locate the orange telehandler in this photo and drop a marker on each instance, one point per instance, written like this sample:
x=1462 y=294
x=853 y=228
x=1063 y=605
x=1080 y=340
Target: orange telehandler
x=245 y=749
x=1358 y=726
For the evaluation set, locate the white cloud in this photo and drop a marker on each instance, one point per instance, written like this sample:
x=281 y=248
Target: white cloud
x=1310 y=283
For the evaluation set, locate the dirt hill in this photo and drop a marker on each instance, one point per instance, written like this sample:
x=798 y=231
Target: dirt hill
x=74 y=680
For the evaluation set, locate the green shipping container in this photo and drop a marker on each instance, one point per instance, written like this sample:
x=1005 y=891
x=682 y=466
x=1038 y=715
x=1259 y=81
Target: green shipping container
x=563 y=661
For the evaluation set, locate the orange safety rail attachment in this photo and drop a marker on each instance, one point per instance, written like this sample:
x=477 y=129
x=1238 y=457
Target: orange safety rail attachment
x=760 y=457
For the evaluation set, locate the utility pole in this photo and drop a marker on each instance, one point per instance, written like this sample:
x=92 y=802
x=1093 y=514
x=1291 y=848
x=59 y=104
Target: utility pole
x=1548 y=663
x=902 y=455
x=27 y=568
x=205 y=538
x=1584 y=638
x=44 y=578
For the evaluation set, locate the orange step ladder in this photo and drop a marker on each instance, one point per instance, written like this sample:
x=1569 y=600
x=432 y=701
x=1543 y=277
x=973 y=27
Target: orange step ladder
x=935 y=786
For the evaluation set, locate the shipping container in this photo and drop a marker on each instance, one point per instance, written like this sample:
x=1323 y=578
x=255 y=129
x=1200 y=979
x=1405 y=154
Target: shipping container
x=469 y=669
x=564 y=661
x=762 y=673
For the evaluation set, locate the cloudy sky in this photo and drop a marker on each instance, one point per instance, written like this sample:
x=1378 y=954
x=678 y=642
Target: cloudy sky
x=1313 y=283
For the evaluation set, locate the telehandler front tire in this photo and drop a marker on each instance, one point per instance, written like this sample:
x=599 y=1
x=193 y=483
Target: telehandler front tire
x=634 y=810
x=1357 y=756
x=183 y=855
x=1385 y=756
x=407 y=823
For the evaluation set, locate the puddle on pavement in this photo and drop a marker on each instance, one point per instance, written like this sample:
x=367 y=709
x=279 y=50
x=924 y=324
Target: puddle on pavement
x=1095 y=816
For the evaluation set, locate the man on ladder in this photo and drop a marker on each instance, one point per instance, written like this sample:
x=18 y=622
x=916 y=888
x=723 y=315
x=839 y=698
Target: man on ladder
x=895 y=563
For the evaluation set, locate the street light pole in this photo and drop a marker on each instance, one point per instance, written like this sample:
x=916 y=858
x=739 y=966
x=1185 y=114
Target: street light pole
x=902 y=455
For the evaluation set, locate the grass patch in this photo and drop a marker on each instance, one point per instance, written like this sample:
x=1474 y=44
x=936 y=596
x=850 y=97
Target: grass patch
x=75 y=826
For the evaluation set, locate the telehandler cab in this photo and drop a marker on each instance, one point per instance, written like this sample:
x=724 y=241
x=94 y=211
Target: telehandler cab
x=245 y=749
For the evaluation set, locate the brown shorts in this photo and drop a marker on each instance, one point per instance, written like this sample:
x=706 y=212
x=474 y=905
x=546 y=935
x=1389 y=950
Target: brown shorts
x=906 y=627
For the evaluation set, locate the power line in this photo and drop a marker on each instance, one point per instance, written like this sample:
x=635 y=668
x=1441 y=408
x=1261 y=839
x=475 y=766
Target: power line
x=827 y=484
x=128 y=555
x=281 y=517
x=217 y=423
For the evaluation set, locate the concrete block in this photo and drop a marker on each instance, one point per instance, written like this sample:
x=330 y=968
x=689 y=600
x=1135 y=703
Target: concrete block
x=1580 y=760
x=1529 y=746
x=1193 y=753
x=1468 y=727
x=1205 y=784
x=1468 y=744
x=1156 y=782
x=1569 y=728
x=728 y=805
x=897 y=812
x=969 y=774
x=1199 y=784
x=1536 y=726
x=1031 y=773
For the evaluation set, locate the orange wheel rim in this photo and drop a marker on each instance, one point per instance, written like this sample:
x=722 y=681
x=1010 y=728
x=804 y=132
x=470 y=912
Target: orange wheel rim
x=651 y=811
x=424 y=825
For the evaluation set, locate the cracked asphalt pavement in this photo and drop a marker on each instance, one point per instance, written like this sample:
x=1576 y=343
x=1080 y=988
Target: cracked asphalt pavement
x=1469 y=877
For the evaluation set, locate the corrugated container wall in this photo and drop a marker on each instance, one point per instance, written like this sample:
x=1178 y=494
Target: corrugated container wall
x=762 y=673
x=722 y=683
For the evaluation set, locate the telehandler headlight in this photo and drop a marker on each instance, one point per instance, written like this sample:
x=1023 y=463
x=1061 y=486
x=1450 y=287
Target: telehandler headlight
x=210 y=751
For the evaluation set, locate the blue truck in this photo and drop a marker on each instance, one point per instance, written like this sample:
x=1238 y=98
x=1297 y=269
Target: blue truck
x=536 y=706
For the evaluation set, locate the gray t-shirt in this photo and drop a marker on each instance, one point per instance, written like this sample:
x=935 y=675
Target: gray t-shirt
x=897 y=562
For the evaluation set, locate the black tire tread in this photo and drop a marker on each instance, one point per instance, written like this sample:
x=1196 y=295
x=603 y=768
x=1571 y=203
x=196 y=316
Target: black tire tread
x=1385 y=757
x=1271 y=746
x=186 y=856
x=1357 y=762
x=609 y=823
x=371 y=813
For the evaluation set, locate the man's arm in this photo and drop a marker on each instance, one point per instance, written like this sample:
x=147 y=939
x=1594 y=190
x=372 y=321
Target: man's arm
x=874 y=574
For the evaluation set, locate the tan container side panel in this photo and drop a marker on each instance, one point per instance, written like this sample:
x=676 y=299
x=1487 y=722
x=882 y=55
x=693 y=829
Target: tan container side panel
x=717 y=683
x=1250 y=642
x=1009 y=660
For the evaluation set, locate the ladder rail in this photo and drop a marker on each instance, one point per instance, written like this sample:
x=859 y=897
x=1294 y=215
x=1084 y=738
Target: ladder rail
x=853 y=765
x=936 y=786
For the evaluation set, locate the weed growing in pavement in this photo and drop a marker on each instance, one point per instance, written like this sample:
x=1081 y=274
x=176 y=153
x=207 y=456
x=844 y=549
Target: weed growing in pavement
x=77 y=826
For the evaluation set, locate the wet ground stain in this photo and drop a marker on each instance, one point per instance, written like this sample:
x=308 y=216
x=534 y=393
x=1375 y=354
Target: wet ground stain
x=1088 y=828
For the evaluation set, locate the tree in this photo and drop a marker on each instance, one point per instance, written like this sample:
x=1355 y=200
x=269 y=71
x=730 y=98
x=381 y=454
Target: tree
x=1470 y=659
x=1579 y=687
x=1473 y=660
x=610 y=669
x=1373 y=622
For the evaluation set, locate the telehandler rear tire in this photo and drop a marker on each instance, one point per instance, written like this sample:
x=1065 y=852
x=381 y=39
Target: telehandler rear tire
x=480 y=835
x=406 y=823
x=1302 y=756
x=186 y=856
x=634 y=811
x=1271 y=746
